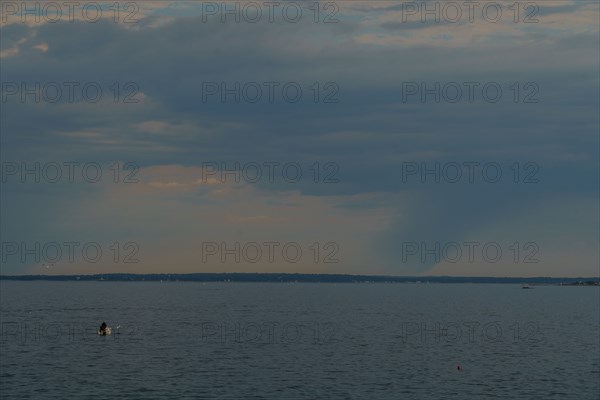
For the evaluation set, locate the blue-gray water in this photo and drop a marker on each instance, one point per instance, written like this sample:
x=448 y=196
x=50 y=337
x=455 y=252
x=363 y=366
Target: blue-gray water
x=298 y=341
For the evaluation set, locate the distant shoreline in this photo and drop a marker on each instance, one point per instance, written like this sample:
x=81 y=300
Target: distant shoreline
x=304 y=278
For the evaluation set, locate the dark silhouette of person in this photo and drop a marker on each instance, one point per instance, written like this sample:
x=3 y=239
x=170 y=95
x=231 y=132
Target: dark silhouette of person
x=103 y=328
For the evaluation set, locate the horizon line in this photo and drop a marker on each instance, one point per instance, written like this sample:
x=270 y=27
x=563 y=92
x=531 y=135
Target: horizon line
x=291 y=274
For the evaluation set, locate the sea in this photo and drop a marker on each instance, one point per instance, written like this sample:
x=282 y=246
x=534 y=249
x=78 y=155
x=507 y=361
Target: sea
x=225 y=340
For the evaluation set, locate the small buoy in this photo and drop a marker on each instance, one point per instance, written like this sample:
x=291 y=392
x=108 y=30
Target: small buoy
x=458 y=367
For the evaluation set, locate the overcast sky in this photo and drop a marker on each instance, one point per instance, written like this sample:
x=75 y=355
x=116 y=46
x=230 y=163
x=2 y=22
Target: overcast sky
x=359 y=97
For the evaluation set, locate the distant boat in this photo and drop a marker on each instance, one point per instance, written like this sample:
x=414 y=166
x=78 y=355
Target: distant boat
x=107 y=332
x=526 y=286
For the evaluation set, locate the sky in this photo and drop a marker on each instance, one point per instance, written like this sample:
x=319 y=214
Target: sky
x=359 y=137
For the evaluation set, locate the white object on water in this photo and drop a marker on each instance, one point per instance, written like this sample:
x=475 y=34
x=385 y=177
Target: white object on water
x=106 y=332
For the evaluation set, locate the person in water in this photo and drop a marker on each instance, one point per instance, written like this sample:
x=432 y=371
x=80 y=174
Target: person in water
x=103 y=328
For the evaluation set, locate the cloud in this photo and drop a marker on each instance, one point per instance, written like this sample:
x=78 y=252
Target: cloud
x=174 y=130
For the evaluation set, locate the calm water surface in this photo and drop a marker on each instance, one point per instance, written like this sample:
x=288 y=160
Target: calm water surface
x=298 y=341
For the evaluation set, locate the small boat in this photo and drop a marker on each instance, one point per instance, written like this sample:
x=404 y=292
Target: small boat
x=526 y=286
x=106 y=331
